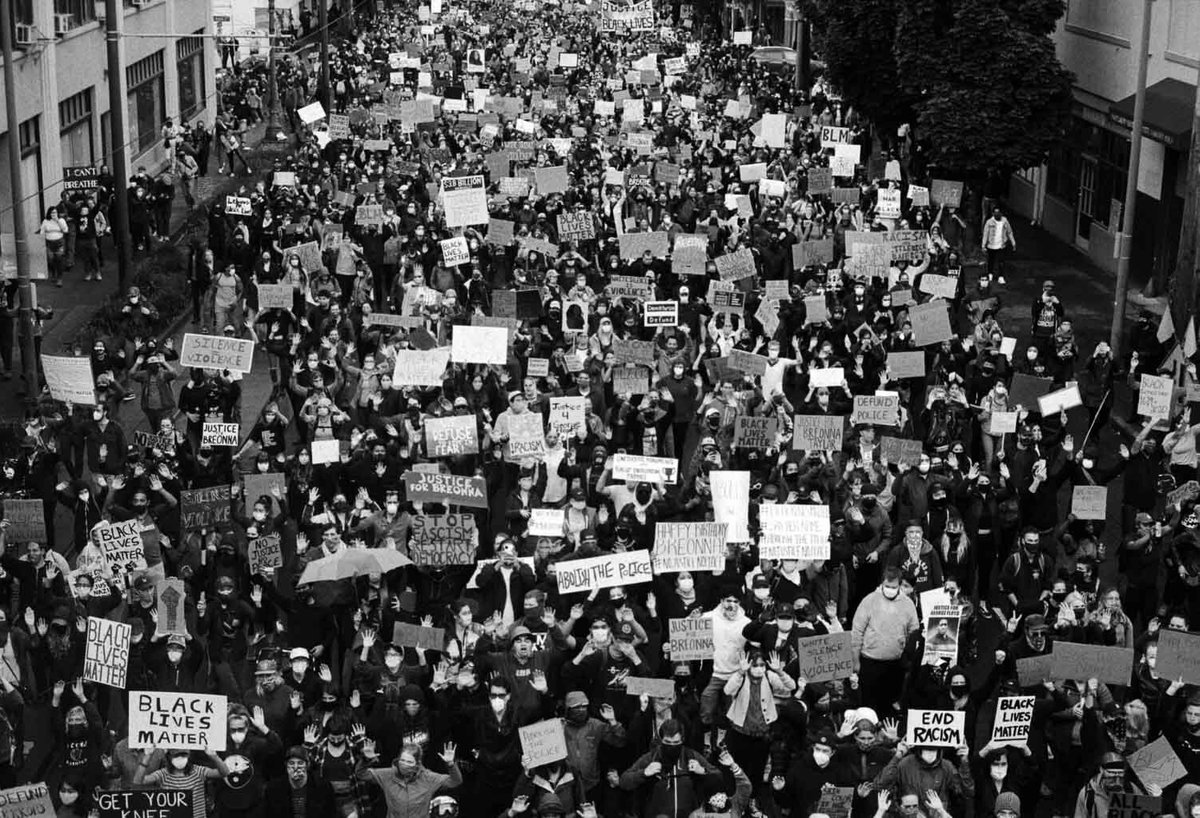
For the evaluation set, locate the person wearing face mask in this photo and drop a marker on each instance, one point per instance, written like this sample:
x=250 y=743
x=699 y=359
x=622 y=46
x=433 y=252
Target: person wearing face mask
x=729 y=650
x=753 y=691
x=1111 y=779
x=1027 y=575
x=407 y=784
x=915 y=555
x=809 y=774
x=504 y=582
x=250 y=747
x=299 y=792
x=175 y=669
x=883 y=623
x=671 y=779
x=1034 y=640
x=69 y=803
x=1183 y=732
x=584 y=734
x=181 y=773
x=926 y=771
x=272 y=695
x=300 y=677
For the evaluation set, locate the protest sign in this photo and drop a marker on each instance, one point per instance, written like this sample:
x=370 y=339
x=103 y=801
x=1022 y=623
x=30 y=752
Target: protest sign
x=451 y=435
x=219 y=434
x=325 y=451
x=204 y=508
x=443 y=539
x=579 y=226
x=918 y=195
x=1134 y=805
x=831 y=135
x=811 y=253
x=567 y=416
x=264 y=553
x=427 y=487
x=936 y=728
x=1155 y=396
x=691 y=639
x=735 y=266
x=1014 y=718
x=1090 y=502
x=661 y=314
x=1033 y=670
x=29 y=801
x=526 y=437
x=941 y=634
x=826 y=377
x=835 y=802
x=930 y=323
x=464 y=199
x=877 y=410
x=423 y=367
x=794 y=532
x=825 y=658
x=81 y=177
x=238 y=206
x=546 y=522
x=543 y=743
x=903 y=365
x=479 y=345
x=1188 y=491
x=70 y=379
x=633 y=351
x=177 y=721
x=1060 y=400
x=551 y=180
x=275 y=296
x=415 y=636
x=311 y=113
x=755 y=432
x=165 y=803
x=1157 y=764
x=171 y=594
x=818 y=432
x=731 y=503
x=887 y=204
x=940 y=286
x=747 y=363
x=1026 y=390
x=1178 y=656
x=106 y=655
x=944 y=192
x=26 y=521
x=1004 y=423
x=907 y=245
x=645 y=469
x=633 y=245
x=728 y=301
x=631 y=380
x=635 y=287
x=816 y=310
x=122 y=544
x=820 y=181
x=900 y=450
x=455 y=251
x=1111 y=665
x=654 y=688
x=610 y=570
x=216 y=352
x=688 y=547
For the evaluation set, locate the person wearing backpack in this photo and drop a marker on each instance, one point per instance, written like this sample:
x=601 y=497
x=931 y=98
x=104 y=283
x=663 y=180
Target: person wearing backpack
x=1027 y=575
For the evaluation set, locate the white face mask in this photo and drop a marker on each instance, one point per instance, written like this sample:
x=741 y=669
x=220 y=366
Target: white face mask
x=821 y=758
x=686 y=585
x=761 y=593
x=392 y=508
x=68 y=798
x=299 y=667
x=179 y=762
x=392 y=663
x=174 y=656
x=498 y=706
x=238 y=736
x=890 y=593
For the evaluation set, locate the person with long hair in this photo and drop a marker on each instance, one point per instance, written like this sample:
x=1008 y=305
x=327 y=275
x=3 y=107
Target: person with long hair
x=54 y=229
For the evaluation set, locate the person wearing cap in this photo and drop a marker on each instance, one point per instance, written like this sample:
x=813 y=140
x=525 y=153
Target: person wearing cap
x=729 y=622
x=176 y=668
x=810 y=772
x=927 y=771
x=300 y=792
x=1110 y=780
x=501 y=430
x=272 y=695
x=529 y=672
x=300 y=678
x=584 y=734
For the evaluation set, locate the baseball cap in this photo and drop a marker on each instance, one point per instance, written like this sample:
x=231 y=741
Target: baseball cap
x=1035 y=622
x=520 y=632
x=577 y=698
x=176 y=641
x=625 y=632
x=300 y=653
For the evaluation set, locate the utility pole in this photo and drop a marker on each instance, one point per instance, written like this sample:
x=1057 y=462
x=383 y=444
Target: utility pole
x=29 y=364
x=116 y=139
x=274 y=131
x=1124 y=245
x=323 y=24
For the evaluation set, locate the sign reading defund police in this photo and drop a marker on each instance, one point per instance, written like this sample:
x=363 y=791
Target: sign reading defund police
x=29 y=801
x=177 y=721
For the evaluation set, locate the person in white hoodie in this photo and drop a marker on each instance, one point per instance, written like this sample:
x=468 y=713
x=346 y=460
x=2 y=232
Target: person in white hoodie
x=729 y=650
x=882 y=624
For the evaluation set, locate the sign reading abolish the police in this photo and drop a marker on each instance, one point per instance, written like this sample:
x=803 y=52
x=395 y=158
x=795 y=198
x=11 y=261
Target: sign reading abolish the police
x=689 y=547
x=177 y=721
x=145 y=804
x=443 y=539
x=106 y=656
x=425 y=487
x=936 y=728
x=691 y=639
x=629 y=568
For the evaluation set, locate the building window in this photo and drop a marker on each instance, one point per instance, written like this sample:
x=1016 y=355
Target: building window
x=189 y=55
x=76 y=12
x=147 y=101
x=1112 y=170
x=21 y=14
x=75 y=116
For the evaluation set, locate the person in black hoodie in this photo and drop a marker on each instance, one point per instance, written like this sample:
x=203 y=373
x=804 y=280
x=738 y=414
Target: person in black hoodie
x=177 y=667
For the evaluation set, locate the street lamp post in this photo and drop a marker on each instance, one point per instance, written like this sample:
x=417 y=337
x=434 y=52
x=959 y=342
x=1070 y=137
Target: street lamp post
x=119 y=215
x=274 y=131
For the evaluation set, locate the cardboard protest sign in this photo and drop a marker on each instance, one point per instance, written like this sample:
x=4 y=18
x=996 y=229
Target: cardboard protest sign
x=26 y=520
x=1013 y=720
x=728 y=301
x=903 y=365
x=165 y=803
x=831 y=135
x=568 y=416
x=812 y=253
x=818 y=432
x=1155 y=396
x=1060 y=400
x=220 y=434
x=452 y=435
x=944 y=192
x=213 y=352
x=816 y=310
x=1157 y=764
x=941 y=634
x=1034 y=670
x=415 y=636
x=918 y=195
x=936 y=728
x=455 y=251
x=835 y=802
x=27 y=801
x=794 y=532
x=1111 y=665
x=877 y=410
x=311 y=113
x=1090 y=502
x=543 y=743
x=1026 y=390
x=827 y=657
x=177 y=721
x=940 y=286
x=479 y=345
x=275 y=296
x=426 y=487
x=121 y=544
x=755 y=432
x=576 y=226
x=106 y=654
x=688 y=547
x=465 y=200
x=1134 y=805
x=171 y=594
x=631 y=380
x=70 y=379
x=1179 y=656
x=526 y=437
x=264 y=553
x=255 y=486
x=654 y=688
x=887 y=204
x=735 y=266
x=731 y=503
x=205 y=508
x=423 y=367
x=633 y=351
x=443 y=539
x=552 y=180
x=610 y=570
x=820 y=180
x=633 y=245
x=930 y=323
x=691 y=639
x=546 y=522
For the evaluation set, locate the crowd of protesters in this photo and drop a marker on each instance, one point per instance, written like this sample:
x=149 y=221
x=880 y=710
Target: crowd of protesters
x=330 y=712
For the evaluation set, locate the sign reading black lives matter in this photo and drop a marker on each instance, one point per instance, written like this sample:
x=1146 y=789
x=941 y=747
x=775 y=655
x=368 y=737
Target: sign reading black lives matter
x=106 y=656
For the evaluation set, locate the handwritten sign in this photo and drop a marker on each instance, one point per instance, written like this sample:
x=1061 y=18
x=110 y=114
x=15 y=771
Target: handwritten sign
x=827 y=657
x=205 y=508
x=754 y=432
x=818 y=432
x=654 y=688
x=1060 y=400
x=944 y=192
x=415 y=636
x=936 y=728
x=877 y=410
x=688 y=547
x=1178 y=656
x=794 y=532
x=220 y=434
x=1155 y=396
x=423 y=367
x=217 y=352
x=1033 y=670
x=930 y=323
x=645 y=469
x=1090 y=502
x=443 y=539
x=608 y=571
x=26 y=520
x=1157 y=764
x=264 y=554
x=121 y=544
x=275 y=296
x=143 y=804
x=1110 y=665
x=543 y=743
x=691 y=639
x=1014 y=718
x=70 y=379
x=29 y=801
x=568 y=416
x=427 y=487
x=106 y=654
x=812 y=253
x=452 y=435
x=177 y=721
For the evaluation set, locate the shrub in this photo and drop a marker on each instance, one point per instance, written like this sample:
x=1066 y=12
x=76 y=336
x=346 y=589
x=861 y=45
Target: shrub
x=162 y=279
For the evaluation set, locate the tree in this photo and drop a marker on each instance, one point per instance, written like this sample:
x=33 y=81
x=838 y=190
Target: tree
x=855 y=38
x=989 y=94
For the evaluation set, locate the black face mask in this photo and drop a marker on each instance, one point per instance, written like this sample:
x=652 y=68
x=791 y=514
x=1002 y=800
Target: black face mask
x=958 y=690
x=937 y=502
x=868 y=503
x=670 y=753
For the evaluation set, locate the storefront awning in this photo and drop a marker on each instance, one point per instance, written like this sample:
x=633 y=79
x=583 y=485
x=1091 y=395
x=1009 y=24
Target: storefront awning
x=1169 y=111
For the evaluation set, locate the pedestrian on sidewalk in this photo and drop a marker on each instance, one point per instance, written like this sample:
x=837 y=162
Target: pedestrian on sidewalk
x=200 y=276
x=202 y=141
x=87 y=242
x=997 y=238
x=54 y=229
